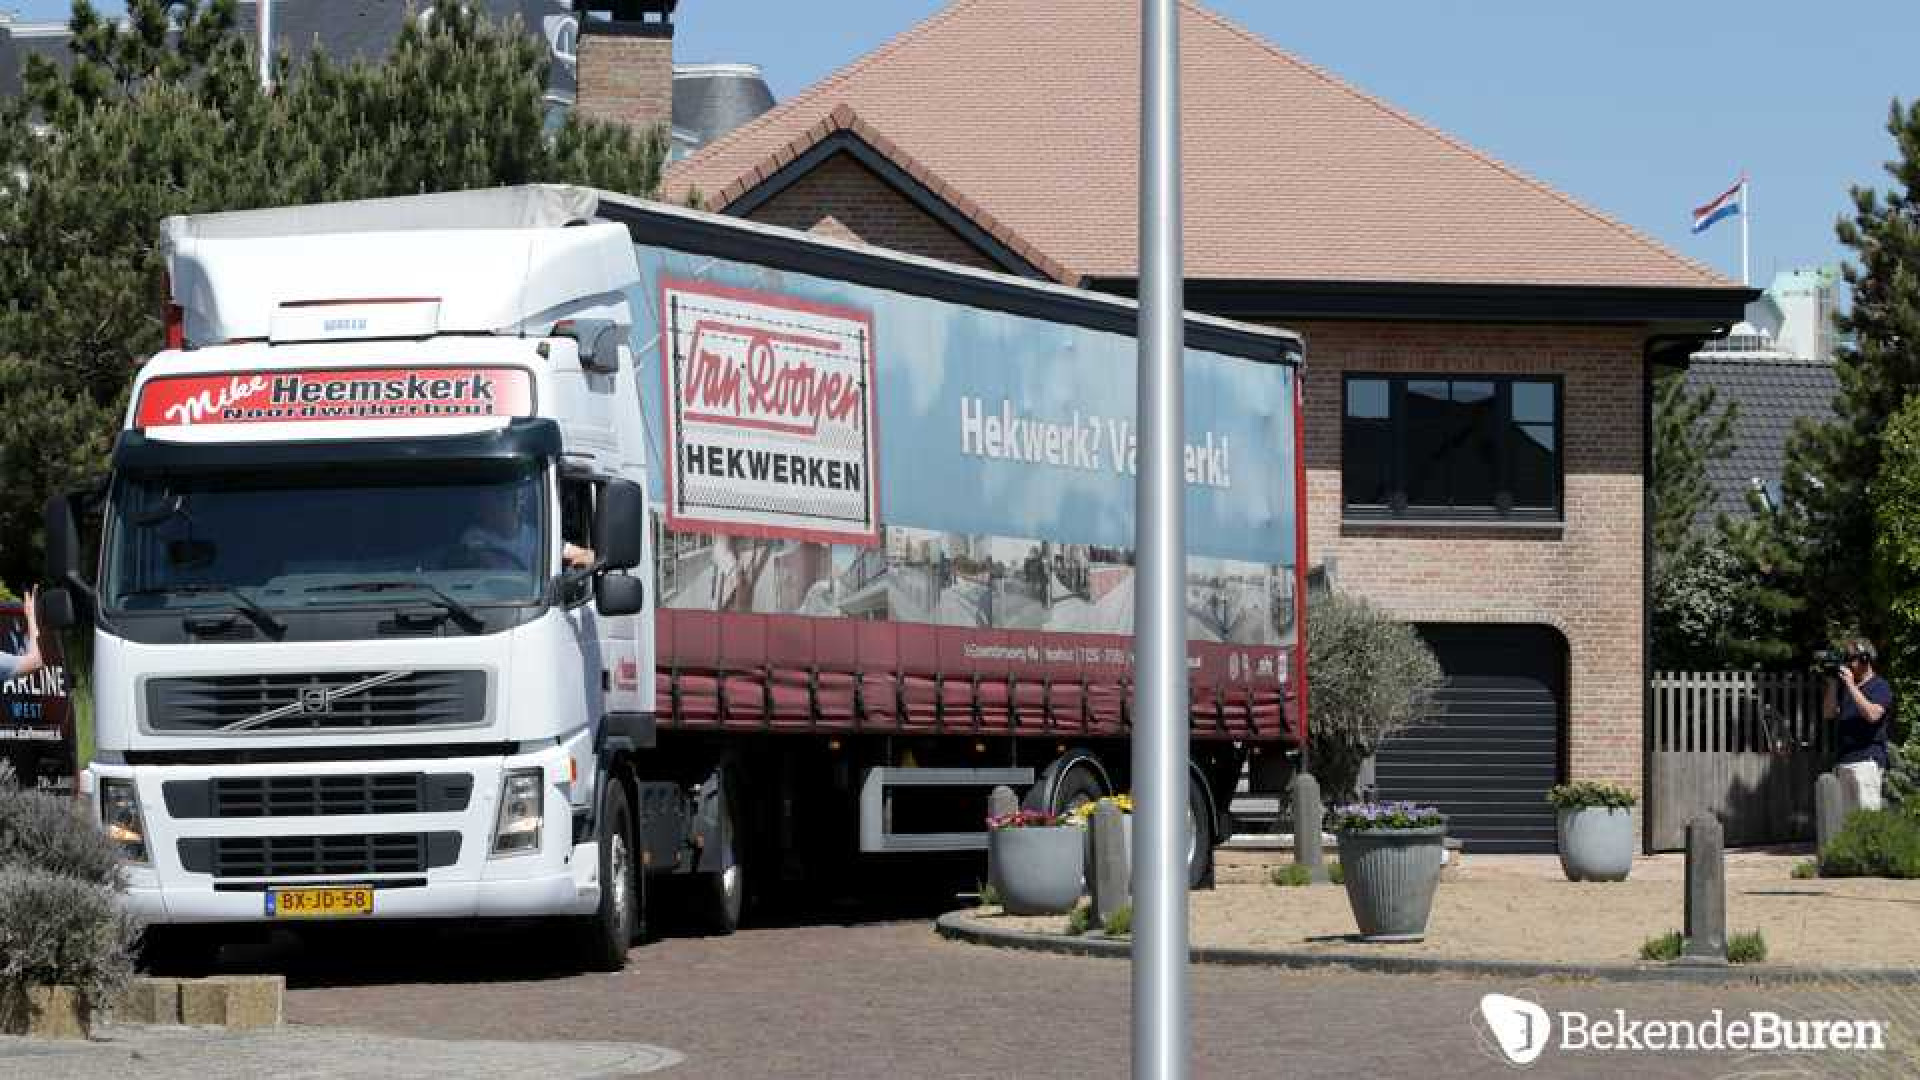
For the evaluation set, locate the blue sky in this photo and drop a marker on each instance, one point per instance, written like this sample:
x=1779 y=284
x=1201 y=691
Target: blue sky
x=1641 y=109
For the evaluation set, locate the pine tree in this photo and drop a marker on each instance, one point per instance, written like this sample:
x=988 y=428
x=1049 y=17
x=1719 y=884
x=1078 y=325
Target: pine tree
x=164 y=115
x=1896 y=581
x=1691 y=601
x=1814 y=554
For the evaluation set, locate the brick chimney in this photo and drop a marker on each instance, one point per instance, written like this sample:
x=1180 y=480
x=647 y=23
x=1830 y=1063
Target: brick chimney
x=625 y=53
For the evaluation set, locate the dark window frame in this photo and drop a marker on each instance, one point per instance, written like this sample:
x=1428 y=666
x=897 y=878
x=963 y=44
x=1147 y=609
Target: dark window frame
x=1398 y=508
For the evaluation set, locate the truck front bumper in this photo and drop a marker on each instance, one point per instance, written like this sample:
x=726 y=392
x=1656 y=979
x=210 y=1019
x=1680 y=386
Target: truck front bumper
x=560 y=877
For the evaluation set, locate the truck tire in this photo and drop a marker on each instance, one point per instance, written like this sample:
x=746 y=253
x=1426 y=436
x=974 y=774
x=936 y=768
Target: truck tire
x=605 y=936
x=1200 y=836
x=183 y=951
x=720 y=896
x=1066 y=784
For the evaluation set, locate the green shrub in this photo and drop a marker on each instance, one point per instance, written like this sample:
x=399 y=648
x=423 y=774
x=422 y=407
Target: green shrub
x=1336 y=874
x=1591 y=794
x=52 y=834
x=1750 y=948
x=61 y=931
x=1371 y=675
x=1806 y=868
x=989 y=895
x=1291 y=874
x=1120 y=923
x=60 y=918
x=1080 y=920
x=1874 y=843
x=1664 y=947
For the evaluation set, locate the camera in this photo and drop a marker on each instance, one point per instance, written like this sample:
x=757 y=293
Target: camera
x=1830 y=659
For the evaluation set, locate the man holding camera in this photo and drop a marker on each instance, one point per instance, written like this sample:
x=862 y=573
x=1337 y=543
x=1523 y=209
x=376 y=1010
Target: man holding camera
x=1863 y=704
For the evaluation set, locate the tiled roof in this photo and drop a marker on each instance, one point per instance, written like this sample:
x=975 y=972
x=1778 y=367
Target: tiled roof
x=1772 y=394
x=1291 y=174
x=844 y=119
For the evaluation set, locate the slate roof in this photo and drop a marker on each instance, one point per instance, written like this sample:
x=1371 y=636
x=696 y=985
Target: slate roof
x=9 y=65
x=346 y=29
x=29 y=39
x=1291 y=174
x=1773 y=393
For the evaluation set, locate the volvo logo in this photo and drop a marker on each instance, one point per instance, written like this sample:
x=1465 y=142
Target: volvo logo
x=315 y=701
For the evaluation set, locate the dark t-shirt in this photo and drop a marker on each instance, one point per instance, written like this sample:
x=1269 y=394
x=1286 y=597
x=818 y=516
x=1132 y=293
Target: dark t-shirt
x=1861 y=740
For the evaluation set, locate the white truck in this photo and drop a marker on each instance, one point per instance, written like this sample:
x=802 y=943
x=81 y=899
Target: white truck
x=489 y=553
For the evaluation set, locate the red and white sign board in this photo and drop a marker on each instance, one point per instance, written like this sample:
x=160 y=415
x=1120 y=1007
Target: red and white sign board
x=770 y=415
x=283 y=397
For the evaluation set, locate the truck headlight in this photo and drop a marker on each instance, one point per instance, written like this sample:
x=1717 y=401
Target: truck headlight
x=120 y=817
x=522 y=810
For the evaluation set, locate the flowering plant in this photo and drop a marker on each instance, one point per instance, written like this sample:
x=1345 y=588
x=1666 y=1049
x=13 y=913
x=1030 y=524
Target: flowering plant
x=1024 y=819
x=1082 y=814
x=1362 y=817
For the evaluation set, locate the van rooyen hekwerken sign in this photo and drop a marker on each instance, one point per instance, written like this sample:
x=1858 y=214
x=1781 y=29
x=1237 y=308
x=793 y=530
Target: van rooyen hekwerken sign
x=770 y=415
x=307 y=396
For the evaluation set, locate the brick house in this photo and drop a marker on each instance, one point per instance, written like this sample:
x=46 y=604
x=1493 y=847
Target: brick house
x=1479 y=345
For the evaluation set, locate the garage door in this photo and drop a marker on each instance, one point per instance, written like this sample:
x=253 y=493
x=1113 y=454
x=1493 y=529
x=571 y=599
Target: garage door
x=1489 y=756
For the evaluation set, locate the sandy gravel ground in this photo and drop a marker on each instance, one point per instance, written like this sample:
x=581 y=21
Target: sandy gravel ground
x=1522 y=908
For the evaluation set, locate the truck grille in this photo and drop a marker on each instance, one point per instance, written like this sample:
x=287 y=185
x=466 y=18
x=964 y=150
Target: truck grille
x=319 y=856
x=318 y=796
x=333 y=701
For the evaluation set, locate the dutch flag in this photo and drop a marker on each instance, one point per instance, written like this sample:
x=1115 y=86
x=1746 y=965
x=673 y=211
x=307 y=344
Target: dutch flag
x=1729 y=203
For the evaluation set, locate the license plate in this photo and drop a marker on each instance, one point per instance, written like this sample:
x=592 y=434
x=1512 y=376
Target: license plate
x=319 y=903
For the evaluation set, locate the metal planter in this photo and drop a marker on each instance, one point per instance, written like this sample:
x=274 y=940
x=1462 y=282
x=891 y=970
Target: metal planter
x=1391 y=876
x=1038 y=870
x=1596 y=843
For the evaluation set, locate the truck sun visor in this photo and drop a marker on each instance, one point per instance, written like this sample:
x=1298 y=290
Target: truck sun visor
x=521 y=439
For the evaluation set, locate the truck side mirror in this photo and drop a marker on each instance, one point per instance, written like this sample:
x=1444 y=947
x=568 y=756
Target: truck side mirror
x=599 y=341
x=56 y=608
x=617 y=528
x=619 y=594
x=63 y=541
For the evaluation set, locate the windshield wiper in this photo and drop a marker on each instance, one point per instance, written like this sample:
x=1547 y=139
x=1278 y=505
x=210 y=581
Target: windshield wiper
x=462 y=614
x=242 y=603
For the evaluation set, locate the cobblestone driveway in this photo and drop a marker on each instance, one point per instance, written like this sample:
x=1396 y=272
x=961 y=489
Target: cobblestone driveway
x=891 y=1000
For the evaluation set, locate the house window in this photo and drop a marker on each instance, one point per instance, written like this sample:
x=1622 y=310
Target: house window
x=1465 y=448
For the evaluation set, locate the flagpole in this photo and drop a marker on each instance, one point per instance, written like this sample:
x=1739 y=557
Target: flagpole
x=1746 y=215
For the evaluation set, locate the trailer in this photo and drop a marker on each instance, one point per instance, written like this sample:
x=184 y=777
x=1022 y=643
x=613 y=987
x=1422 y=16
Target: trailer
x=495 y=553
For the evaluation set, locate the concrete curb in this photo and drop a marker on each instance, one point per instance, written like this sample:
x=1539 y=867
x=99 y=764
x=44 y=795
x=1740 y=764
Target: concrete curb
x=233 y=1002
x=956 y=926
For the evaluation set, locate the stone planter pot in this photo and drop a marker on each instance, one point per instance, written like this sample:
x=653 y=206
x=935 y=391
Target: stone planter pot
x=45 y=1012
x=1038 y=870
x=1391 y=875
x=1596 y=843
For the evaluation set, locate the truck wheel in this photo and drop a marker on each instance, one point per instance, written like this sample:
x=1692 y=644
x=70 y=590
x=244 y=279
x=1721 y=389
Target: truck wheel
x=721 y=894
x=1199 y=836
x=606 y=935
x=179 y=951
x=1077 y=783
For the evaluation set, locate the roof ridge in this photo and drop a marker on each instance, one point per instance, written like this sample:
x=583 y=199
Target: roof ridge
x=845 y=118
x=1418 y=124
x=832 y=80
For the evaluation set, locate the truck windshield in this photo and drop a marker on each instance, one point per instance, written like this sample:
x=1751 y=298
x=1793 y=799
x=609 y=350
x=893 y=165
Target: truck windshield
x=287 y=539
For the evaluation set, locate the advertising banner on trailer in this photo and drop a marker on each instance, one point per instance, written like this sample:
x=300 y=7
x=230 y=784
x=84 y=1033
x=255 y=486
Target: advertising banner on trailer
x=941 y=496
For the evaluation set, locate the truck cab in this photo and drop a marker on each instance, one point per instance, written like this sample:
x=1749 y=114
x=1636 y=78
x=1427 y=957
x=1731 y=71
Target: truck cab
x=363 y=626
